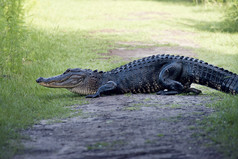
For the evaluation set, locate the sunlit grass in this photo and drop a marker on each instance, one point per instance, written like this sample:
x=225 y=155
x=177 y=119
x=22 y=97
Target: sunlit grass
x=68 y=34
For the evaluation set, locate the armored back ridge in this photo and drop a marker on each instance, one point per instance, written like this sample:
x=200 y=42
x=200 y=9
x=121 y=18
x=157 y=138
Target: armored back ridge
x=163 y=74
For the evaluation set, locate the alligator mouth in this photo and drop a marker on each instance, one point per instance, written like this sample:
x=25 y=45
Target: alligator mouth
x=60 y=81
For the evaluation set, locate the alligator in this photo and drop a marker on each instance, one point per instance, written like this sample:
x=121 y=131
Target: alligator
x=163 y=74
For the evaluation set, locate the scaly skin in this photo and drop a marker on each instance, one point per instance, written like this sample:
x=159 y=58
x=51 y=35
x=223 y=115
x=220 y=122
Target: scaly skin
x=164 y=74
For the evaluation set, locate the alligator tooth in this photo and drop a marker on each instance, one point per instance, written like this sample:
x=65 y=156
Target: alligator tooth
x=197 y=79
x=233 y=92
x=143 y=90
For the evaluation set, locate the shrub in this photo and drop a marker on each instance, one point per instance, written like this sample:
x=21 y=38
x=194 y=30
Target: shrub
x=11 y=35
x=231 y=17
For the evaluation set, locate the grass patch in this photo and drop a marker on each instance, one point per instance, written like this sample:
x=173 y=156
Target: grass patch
x=160 y=135
x=223 y=125
x=175 y=106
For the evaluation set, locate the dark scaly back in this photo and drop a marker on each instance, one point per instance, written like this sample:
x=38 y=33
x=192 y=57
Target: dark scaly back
x=139 y=76
x=142 y=75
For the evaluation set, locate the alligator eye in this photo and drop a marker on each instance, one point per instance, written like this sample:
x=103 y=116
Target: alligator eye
x=68 y=70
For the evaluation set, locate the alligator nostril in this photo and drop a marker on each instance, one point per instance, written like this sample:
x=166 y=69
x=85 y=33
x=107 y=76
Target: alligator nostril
x=39 y=80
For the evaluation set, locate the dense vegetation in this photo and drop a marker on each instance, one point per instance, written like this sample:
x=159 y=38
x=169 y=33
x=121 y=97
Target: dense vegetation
x=12 y=34
x=60 y=36
x=231 y=17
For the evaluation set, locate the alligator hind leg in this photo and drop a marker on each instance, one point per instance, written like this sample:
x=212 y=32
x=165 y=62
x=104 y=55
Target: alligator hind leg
x=167 y=78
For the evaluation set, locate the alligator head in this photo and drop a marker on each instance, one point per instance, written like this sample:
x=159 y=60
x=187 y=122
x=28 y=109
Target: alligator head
x=76 y=80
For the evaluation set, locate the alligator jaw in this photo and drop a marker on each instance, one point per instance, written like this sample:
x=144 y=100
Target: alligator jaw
x=61 y=81
x=70 y=79
x=54 y=82
x=52 y=85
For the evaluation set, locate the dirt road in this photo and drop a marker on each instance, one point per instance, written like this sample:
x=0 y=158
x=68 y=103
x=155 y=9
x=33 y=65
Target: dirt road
x=140 y=126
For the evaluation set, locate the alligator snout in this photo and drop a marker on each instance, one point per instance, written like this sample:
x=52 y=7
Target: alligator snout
x=39 y=80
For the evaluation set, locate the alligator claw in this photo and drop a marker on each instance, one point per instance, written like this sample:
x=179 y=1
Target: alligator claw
x=167 y=92
x=160 y=93
x=92 y=96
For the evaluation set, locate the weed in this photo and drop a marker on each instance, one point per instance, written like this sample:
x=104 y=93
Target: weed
x=192 y=127
x=175 y=106
x=138 y=104
x=160 y=135
x=128 y=94
x=147 y=99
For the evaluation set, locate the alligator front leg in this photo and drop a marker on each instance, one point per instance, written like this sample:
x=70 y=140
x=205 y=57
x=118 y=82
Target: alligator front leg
x=110 y=85
x=167 y=92
x=167 y=78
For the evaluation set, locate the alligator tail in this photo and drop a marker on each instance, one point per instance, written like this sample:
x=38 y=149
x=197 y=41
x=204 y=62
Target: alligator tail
x=214 y=77
x=230 y=84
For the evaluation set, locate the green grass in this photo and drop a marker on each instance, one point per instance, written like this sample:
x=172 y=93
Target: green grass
x=63 y=34
x=222 y=126
x=160 y=135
